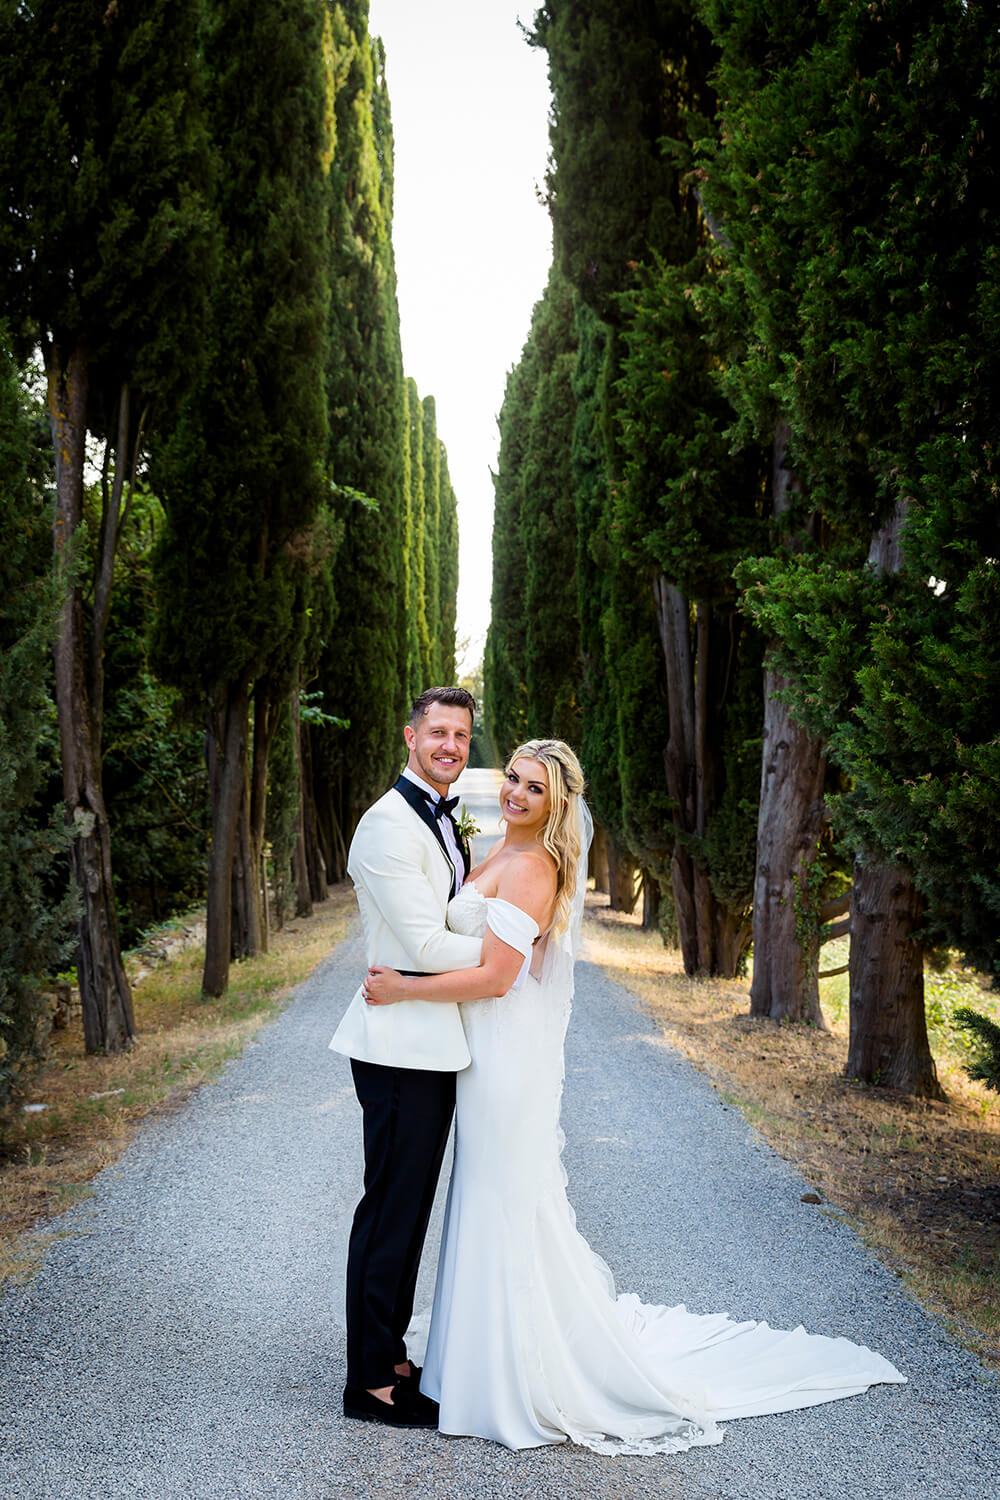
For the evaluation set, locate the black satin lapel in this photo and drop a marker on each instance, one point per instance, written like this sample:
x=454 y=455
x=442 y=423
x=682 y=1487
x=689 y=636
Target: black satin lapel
x=415 y=797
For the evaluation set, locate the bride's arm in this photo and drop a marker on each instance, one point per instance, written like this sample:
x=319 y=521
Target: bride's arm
x=526 y=883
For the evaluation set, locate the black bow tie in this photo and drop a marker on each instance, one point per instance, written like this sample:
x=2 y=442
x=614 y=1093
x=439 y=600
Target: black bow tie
x=445 y=806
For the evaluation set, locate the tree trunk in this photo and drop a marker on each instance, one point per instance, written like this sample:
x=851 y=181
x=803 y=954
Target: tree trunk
x=227 y=752
x=108 y=1022
x=314 y=854
x=709 y=934
x=789 y=824
x=786 y=925
x=599 y=859
x=249 y=935
x=623 y=892
x=732 y=940
x=888 y=1026
x=245 y=933
x=300 y=860
x=888 y=1043
x=650 y=902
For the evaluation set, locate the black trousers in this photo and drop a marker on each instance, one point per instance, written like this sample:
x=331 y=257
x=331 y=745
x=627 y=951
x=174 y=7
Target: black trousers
x=407 y=1115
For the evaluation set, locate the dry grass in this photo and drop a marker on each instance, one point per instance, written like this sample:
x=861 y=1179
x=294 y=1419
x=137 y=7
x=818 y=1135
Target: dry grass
x=92 y=1104
x=919 y=1179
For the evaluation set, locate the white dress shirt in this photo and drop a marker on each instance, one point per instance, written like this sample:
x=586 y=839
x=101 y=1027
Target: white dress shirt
x=445 y=824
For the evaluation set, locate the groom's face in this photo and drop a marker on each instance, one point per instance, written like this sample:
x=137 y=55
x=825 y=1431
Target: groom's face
x=439 y=744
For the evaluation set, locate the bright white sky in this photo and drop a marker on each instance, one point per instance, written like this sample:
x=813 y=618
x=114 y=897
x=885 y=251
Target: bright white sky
x=473 y=244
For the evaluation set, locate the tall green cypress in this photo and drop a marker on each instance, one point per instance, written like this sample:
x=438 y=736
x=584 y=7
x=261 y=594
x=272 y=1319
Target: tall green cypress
x=418 y=530
x=431 y=451
x=361 y=672
x=242 y=476
x=103 y=258
x=628 y=81
x=447 y=568
x=550 y=643
x=35 y=933
x=859 y=177
x=504 y=666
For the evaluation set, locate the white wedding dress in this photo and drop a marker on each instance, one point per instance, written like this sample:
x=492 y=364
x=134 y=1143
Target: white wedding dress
x=528 y=1343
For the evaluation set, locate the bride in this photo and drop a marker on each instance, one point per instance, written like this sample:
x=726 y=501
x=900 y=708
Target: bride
x=528 y=1342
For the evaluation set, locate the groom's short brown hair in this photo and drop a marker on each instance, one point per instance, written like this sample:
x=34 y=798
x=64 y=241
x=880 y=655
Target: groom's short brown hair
x=452 y=697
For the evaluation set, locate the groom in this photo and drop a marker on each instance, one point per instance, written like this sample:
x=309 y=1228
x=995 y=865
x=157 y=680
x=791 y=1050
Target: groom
x=407 y=859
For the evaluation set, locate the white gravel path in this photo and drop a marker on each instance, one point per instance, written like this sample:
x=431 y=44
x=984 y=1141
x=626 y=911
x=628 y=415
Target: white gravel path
x=179 y=1341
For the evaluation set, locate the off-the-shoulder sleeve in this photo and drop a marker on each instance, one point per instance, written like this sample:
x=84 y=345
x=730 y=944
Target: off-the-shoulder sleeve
x=511 y=925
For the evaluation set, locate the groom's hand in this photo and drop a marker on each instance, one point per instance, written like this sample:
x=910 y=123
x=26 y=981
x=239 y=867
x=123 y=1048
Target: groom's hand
x=383 y=986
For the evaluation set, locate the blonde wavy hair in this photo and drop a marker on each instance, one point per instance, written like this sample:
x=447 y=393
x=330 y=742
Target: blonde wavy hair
x=561 y=834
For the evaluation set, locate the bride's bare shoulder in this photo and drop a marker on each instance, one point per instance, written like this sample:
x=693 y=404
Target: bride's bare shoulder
x=530 y=873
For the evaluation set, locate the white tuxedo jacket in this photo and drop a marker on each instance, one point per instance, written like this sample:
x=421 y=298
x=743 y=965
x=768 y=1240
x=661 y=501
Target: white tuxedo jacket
x=402 y=878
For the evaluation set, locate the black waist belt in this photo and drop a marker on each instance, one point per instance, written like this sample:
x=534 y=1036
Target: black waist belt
x=414 y=973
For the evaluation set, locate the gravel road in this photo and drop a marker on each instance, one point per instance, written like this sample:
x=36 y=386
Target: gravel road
x=179 y=1341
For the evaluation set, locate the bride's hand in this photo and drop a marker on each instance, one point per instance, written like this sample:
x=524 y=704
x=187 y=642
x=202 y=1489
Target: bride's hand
x=383 y=986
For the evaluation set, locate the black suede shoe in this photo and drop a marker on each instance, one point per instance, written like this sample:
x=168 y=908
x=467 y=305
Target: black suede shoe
x=406 y=1409
x=411 y=1382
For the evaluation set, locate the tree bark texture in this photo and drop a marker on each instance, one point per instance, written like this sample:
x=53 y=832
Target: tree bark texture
x=250 y=924
x=713 y=939
x=244 y=890
x=106 y=1000
x=227 y=753
x=650 y=902
x=888 y=1041
x=785 y=921
x=599 y=859
x=314 y=854
x=793 y=772
x=300 y=861
x=623 y=890
x=329 y=828
x=888 y=1024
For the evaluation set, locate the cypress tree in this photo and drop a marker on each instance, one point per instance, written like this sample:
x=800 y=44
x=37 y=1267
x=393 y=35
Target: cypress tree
x=418 y=530
x=102 y=257
x=630 y=235
x=691 y=507
x=431 y=451
x=599 y=598
x=504 y=666
x=872 y=313
x=410 y=621
x=550 y=643
x=361 y=674
x=35 y=932
x=155 y=781
x=242 y=477
x=447 y=568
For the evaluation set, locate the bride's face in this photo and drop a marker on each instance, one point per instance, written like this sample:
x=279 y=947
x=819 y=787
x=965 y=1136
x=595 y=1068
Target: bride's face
x=524 y=796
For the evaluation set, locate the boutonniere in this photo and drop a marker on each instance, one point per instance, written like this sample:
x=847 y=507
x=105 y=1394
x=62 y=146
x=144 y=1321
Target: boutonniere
x=467 y=825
